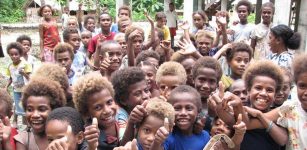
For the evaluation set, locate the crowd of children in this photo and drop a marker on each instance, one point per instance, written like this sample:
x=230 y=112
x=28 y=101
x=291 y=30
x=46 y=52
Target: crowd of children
x=106 y=87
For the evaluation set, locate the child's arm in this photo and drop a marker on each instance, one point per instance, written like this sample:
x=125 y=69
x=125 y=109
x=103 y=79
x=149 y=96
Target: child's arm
x=223 y=50
x=8 y=84
x=41 y=40
x=161 y=136
x=5 y=134
x=222 y=31
x=254 y=123
x=136 y=116
x=129 y=146
x=147 y=45
x=240 y=129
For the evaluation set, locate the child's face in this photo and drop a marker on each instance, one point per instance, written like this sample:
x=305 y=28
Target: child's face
x=85 y=38
x=148 y=130
x=238 y=63
x=3 y=110
x=161 y=22
x=284 y=92
x=124 y=25
x=150 y=75
x=47 y=12
x=72 y=23
x=64 y=60
x=206 y=82
x=138 y=93
x=267 y=14
x=220 y=127
x=273 y=42
x=105 y=22
x=199 y=22
x=37 y=110
x=302 y=89
x=186 y=111
x=168 y=83
x=242 y=13
x=188 y=64
x=56 y=129
x=102 y=106
x=115 y=56
x=204 y=45
x=153 y=61
x=26 y=46
x=262 y=93
x=123 y=44
x=239 y=89
x=90 y=25
x=123 y=12
x=15 y=55
x=74 y=40
x=137 y=44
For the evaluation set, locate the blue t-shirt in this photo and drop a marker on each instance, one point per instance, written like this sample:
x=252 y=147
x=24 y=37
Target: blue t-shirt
x=178 y=141
x=114 y=28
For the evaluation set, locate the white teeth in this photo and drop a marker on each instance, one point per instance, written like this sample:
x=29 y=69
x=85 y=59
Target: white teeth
x=261 y=100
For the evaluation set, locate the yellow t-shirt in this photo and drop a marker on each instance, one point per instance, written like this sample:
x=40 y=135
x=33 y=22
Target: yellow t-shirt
x=18 y=81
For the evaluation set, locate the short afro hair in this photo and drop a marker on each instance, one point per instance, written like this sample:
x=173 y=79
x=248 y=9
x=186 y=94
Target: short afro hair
x=69 y=115
x=186 y=89
x=67 y=32
x=62 y=48
x=125 y=7
x=85 y=87
x=87 y=18
x=131 y=28
x=160 y=109
x=143 y=55
x=40 y=10
x=53 y=72
x=173 y=69
x=263 y=68
x=245 y=3
x=238 y=47
x=123 y=79
x=299 y=66
x=42 y=86
x=24 y=38
x=6 y=99
x=15 y=45
x=207 y=62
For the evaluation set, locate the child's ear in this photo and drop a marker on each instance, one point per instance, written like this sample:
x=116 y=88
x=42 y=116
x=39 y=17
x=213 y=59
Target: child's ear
x=80 y=137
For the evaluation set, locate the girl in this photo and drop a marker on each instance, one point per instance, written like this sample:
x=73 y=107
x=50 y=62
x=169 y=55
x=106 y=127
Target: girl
x=40 y=96
x=48 y=33
x=283 y=38
x=201 y=22
x=150 y=75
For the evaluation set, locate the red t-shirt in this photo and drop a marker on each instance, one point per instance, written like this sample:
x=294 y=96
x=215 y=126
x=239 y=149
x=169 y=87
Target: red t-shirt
x=12 y=141
x=93 y=42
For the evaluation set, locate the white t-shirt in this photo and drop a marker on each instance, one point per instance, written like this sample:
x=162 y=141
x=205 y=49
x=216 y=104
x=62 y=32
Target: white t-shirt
x=171 y=18
x=241 y=32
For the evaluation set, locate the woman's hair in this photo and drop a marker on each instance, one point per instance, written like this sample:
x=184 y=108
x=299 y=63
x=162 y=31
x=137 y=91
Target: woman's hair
x=40 y=10
x=173 y=69
x=263 y=68
x=7 y=100
x=142 y=56
x=290 y=38
x=245 y=3
x=202 y=14
x=207 y=62
x=42 y=86
x=123 y=79
x=69 y=115
x=24 y=38
x=15 y=45
x=62 y=48
x=238 y=47
x=299 y=66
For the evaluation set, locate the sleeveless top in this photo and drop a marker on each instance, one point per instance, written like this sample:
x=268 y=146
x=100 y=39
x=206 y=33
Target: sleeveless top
x=51 y=35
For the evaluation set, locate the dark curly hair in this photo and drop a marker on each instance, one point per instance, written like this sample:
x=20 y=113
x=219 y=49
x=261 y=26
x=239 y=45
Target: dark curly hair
x=69 y=115
x=123 y=79
x=24 y=38
x=67 y=32
x=238 y=47
x=42 y=86
x=39 y=12
x=142 y=56
x=63 y=47
x=299 y=66
x=207 y=62
x=15 y=45
x=131 y=28
x=7 y=100
x=125 y=7
x=263 y=68
x=245 y=3
x=87 y=18
x=290 y=38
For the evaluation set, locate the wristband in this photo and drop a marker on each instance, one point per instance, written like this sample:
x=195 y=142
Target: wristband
x=270 y=127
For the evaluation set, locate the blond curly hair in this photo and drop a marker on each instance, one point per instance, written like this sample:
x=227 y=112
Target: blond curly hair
x=171 y=68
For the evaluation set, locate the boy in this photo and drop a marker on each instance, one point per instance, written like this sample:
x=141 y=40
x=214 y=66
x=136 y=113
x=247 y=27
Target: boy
x=122 y=11
x=171 y=17
x=26 y=43
x=161 y=24
x=86 y=36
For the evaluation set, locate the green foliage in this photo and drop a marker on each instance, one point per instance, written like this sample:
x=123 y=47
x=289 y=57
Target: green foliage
x=110 y=4
x=251 y=18
x=11 y=10
x=150 y=6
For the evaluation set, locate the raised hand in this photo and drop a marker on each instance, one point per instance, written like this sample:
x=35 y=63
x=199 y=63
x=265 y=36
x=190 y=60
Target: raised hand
x=185 y=25
x=253 y=112
x=148 y=17
x=138 y=113
x=92 y=134
x=62 y=143
x=162 y=132
x=186 y=47
x=104 y=64
x=5 y=129
x=199 y=125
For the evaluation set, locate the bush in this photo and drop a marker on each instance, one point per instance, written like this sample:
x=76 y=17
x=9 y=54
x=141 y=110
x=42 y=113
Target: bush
x=11 y=10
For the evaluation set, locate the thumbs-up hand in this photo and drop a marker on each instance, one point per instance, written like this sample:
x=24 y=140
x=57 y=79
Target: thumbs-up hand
x=5 y=129
x=91 y=134
x=162 y=132
x=104 y=64
x=131 y=145
x=62 y=143
x=240 y=129
x=199 y=124
x=138 y=113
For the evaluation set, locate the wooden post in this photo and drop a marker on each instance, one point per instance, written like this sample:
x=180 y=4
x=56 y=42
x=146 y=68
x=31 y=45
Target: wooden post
x=258 y=12
x=302 y=26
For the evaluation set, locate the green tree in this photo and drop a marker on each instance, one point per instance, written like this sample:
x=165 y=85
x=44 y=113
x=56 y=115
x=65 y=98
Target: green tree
x=11 y=10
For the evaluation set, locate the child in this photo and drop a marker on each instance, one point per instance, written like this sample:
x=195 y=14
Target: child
x=40 y=97
x=150 y=76
x=201 y=22
x=123 y=11
x=284 y=93
x=26 y=43
x=109 y=58
x=161 y=24
x=123 y=23
x=157 y=111
x=94 y=98
x=204 y=41
x=105 y=21
x=242 y=31
x=90 y=25
x=260 y=34
x=149 y=56
x=86 y=36
x=48 y=33
x=187 y=104
x=72 y=22
x=283 y=38
x=17 y=71
x=7 y=133
x=64 y=56
x=56 y=128
x=238 y=88
x=170 y=75
x=120 y=39
x=64 y=17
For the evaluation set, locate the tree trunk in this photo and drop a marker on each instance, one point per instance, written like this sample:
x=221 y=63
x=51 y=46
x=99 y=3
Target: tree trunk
x=258 y=12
